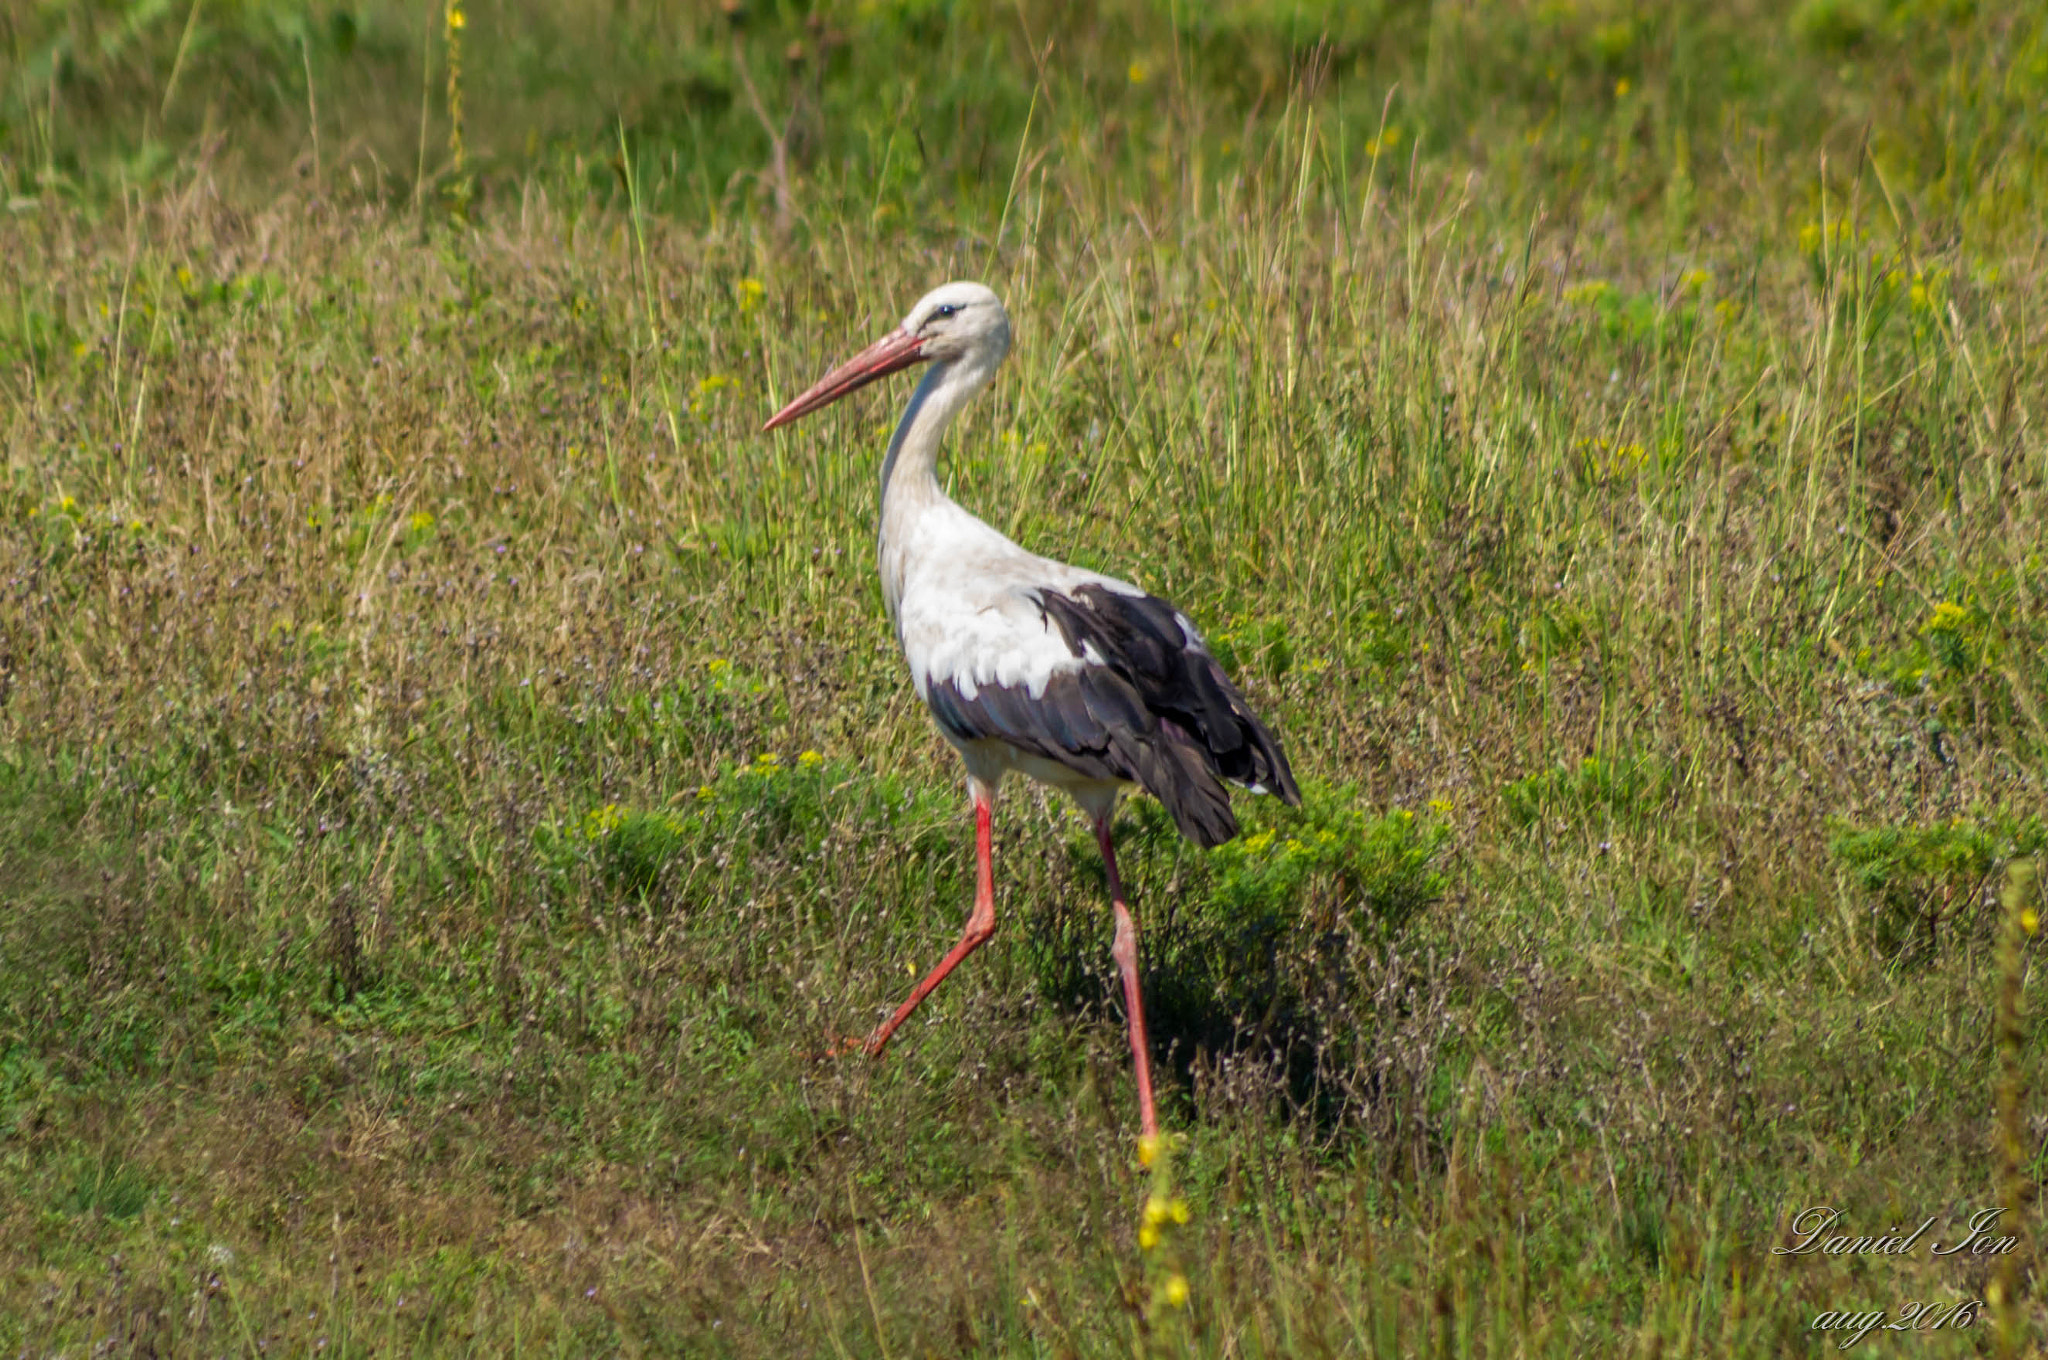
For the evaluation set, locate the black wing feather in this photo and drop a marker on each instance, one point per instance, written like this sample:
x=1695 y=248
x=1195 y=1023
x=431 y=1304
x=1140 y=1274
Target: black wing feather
x=1144 y=638
x=1153 y=707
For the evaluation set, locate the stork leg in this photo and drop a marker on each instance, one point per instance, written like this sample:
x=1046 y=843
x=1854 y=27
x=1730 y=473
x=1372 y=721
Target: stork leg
x=981 y=923
x=1125 y=950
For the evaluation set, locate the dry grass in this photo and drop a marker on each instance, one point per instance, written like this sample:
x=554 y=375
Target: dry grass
x=409 y=948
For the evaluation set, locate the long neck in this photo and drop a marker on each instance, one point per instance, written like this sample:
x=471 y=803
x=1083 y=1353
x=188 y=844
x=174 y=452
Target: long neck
x=910 y=484
x=908 y=473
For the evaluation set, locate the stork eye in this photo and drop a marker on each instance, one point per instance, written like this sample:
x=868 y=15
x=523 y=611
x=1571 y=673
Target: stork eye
x=944 y=310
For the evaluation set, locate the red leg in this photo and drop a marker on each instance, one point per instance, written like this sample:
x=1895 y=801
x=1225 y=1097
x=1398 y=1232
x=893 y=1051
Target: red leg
x=1125 y=949
x=980 y=925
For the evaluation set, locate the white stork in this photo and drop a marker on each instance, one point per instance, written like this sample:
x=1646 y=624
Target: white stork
x=1079 y=680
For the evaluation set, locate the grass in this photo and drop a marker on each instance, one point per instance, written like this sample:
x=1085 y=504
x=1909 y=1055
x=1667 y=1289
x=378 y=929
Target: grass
x=460 y=781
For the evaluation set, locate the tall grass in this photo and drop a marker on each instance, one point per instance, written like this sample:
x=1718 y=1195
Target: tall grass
x=461 y=782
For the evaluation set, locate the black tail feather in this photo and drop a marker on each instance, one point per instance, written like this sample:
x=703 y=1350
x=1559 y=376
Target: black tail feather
x=1192 y=703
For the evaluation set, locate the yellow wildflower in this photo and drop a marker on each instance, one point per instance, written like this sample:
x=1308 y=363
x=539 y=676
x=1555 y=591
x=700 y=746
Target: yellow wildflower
x=1148 y=1149
x=1948 y=617
x=1139 y=72
x=1177 y=1290
x=1622 y=87
x=810 y=760
x=421 y=521
x=1148 y=1237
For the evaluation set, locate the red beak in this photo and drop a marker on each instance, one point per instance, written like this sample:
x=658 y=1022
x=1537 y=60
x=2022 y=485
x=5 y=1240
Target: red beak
x=899 y=349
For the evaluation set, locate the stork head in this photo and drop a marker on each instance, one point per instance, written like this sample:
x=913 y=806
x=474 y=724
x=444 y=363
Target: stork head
x=960 y=324
x=960 y=321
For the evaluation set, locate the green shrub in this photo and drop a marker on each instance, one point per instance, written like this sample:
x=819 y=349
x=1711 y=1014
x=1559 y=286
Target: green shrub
x=1955 y=666
x=1252 y=950
x=1610 y=786
x=768 y=810
x=1922 y=877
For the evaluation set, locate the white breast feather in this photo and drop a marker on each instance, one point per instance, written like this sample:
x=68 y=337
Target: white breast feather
x=969 y=612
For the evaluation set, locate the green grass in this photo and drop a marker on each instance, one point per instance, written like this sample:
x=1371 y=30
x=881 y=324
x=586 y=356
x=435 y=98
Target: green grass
x=460 y=783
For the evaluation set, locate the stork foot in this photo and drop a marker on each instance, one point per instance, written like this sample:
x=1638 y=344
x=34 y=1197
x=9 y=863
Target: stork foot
x=837 y=1047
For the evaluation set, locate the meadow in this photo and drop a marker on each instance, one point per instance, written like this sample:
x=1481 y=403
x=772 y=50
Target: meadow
x=459 y=781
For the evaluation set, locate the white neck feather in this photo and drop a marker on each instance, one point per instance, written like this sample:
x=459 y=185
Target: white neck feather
x=910 y=483
x=914 y=449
